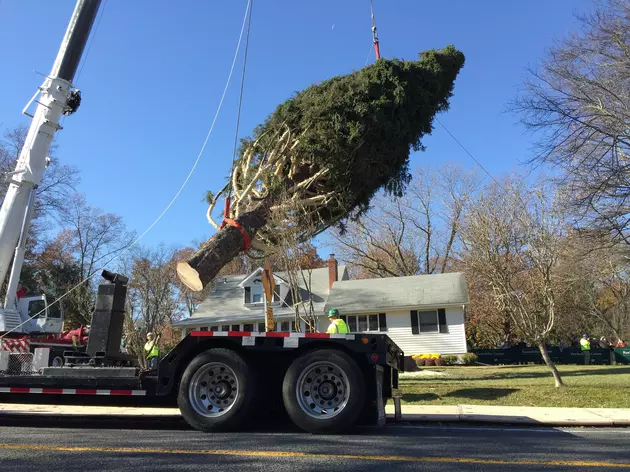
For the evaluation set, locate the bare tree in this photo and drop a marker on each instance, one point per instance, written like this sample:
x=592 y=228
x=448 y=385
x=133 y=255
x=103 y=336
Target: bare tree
x=56 y=188
x=595 y=289
x=59 y=180
x=296 y=258
x=93 y=238
x=152 y=296
x=415 y=234
x=577 y=102
x=513 y=240
x=382 y=243
x=487 y=326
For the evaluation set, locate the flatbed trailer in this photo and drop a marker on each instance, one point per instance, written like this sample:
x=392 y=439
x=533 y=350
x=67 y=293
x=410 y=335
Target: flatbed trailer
x=219 y=380
x=325 y=383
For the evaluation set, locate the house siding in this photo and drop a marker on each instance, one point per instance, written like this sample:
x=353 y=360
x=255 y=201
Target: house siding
x=453 y=342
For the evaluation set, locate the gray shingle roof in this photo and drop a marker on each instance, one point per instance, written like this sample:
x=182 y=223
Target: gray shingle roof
x=225 y=303
x=354 y=296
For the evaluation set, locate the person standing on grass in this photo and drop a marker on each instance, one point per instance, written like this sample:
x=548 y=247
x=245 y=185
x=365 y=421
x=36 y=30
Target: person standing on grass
x=585 y=345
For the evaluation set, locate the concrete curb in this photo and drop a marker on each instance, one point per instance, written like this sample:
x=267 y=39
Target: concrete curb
x=603 y=417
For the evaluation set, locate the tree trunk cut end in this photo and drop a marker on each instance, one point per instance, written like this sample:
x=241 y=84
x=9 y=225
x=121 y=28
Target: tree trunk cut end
x=189 y=277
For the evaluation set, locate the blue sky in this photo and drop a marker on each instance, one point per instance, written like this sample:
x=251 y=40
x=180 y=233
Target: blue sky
x=156 y=70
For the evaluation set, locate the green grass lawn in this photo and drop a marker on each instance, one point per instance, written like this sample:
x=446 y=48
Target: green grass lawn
x=586 y=386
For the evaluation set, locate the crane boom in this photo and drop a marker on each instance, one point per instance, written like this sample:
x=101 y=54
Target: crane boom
x=54 y=98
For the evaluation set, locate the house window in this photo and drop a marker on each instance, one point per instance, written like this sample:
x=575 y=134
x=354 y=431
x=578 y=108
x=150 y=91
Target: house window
x=261 y=327
x=430 y=321
x=248 y=327
x=257 y=291
x=254 y=293
x=364 y=323
x=286 y=326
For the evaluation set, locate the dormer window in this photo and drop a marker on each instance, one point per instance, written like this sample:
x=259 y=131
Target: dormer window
x=254 y=292
x=257 y=291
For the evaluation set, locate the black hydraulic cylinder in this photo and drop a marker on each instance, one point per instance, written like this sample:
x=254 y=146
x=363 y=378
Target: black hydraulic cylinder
x=75 y=39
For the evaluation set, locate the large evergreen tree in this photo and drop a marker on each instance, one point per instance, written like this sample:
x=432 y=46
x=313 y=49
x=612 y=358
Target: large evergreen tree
x=323 y=154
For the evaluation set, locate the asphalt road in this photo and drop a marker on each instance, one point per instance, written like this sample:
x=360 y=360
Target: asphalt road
x=36 y=445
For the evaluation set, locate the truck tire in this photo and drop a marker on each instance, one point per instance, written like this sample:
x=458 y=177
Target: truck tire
x=216 y=391
x=324 y=391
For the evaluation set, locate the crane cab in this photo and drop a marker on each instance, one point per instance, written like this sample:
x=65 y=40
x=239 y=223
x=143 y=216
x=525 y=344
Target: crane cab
x=50 y=320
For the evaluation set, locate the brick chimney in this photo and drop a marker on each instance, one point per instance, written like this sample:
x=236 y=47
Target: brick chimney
x=333 y=274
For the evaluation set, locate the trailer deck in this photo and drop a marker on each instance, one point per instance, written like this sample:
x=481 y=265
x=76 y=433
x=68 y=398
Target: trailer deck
x=251 y=365
x=378 y=349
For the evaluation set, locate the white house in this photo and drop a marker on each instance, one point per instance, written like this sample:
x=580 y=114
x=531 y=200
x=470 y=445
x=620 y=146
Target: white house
x=423 y=314
x=237 y=304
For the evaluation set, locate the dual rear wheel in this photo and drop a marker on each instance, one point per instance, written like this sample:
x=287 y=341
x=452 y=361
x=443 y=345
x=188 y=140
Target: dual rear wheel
x=213 y=392
x=322 y=391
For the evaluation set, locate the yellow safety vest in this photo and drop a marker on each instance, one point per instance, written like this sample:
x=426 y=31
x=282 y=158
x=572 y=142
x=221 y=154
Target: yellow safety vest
x=338 y=326
x=151 y=351
x=585 y=344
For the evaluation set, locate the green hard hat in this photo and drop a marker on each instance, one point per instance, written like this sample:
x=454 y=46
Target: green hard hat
x=333 y=312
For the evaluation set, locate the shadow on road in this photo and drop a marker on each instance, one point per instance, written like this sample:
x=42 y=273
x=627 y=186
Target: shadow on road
x=46 y=421
x=170 y=423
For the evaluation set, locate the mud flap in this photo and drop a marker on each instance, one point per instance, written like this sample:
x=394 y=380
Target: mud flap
x=380 y=404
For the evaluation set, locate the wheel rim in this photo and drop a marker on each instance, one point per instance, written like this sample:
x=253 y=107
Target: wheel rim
x=57 y=362
x=323 y=390
x=213 y=389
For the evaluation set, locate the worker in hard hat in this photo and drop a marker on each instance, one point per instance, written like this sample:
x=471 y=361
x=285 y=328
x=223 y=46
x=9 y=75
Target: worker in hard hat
x=152 y=350
x=585 y=345
x=337 y=325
